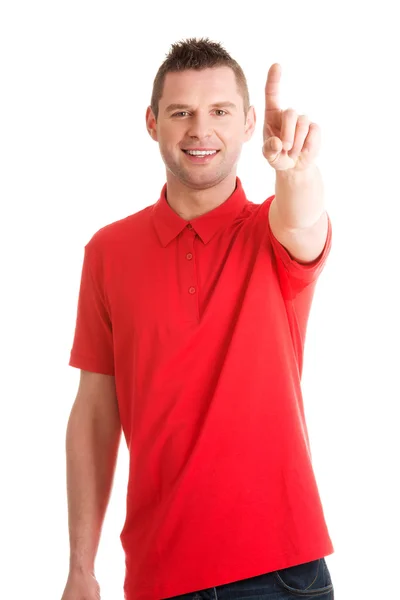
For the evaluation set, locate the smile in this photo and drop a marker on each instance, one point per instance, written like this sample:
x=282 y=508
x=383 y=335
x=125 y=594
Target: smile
x=200 y=157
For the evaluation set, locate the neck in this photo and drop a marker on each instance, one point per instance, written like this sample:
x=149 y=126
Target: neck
x=190 y=203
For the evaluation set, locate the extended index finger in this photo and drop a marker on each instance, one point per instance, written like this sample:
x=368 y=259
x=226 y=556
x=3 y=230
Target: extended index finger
x=272 y=88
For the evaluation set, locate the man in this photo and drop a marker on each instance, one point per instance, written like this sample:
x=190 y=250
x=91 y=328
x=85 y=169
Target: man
x=190 y=332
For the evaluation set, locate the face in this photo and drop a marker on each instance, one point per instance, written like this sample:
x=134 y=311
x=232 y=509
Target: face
x=208 y=114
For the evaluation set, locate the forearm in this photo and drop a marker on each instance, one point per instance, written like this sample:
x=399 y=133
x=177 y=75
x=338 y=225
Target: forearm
x=91 y=449
x=299 y=197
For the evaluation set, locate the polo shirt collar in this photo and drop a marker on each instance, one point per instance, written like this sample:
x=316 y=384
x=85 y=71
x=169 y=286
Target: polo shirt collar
x=169 y=224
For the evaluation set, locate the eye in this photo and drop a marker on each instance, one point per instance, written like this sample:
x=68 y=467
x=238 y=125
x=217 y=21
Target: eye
x=184 y=112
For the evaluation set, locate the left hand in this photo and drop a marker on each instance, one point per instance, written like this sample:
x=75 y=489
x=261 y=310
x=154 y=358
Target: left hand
x=290 y=141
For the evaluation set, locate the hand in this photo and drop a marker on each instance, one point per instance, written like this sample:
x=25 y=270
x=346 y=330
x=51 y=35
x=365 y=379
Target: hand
x=290 y=141
x=81 y=586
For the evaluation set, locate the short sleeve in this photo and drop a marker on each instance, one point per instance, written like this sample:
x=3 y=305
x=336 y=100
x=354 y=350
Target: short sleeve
x=295 y=276
x=92 y=348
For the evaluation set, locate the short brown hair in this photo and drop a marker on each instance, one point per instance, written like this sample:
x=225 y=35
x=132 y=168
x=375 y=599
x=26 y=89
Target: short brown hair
x=197 y=54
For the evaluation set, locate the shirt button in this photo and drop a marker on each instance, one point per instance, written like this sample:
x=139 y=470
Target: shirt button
x=192 y=290
x=189 y=256
x=190 y=226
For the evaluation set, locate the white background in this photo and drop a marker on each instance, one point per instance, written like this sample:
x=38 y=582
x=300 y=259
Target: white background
x=76 y=79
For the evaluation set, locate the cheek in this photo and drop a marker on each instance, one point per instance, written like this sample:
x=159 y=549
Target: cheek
x=232 y=133
x=233 y=140
x=171 y=132
x=169 y=136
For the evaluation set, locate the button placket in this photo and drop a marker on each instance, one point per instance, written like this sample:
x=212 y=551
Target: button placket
x=190 y=269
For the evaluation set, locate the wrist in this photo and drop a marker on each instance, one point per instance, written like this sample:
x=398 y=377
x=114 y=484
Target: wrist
x=80 y=566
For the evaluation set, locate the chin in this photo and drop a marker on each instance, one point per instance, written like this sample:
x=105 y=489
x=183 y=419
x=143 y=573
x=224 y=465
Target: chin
x=203 y=180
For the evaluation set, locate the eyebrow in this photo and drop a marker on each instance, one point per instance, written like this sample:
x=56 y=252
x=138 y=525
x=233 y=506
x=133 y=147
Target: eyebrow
x=226 y=104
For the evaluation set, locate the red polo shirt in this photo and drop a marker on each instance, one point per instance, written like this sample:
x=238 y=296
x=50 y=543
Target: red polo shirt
x=203 y=325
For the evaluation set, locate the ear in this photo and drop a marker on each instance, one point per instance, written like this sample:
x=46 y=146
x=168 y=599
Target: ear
x=151 y=124
x=250 y=124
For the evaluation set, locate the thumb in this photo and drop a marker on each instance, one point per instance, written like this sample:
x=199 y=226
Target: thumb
x=272 y=147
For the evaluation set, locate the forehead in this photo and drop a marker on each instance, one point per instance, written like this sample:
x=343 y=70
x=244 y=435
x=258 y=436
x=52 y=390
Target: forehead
x=190 y=86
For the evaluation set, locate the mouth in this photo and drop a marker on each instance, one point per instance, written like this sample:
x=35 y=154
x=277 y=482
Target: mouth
x=201 y=157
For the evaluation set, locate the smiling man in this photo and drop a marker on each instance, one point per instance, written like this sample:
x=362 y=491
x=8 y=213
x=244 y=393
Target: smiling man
x=200 y=140
x=190 y=332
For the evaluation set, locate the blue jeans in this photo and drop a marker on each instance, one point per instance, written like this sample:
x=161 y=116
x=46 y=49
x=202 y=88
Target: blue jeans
x=308 y=580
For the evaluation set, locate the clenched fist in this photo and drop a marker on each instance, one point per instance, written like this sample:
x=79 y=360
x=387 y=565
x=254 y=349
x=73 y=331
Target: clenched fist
x=81 y=586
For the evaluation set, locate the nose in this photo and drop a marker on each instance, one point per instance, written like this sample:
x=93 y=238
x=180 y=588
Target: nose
x=200 y=127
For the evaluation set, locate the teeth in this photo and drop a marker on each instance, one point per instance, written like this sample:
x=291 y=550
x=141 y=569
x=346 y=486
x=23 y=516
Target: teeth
x=201 y=152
